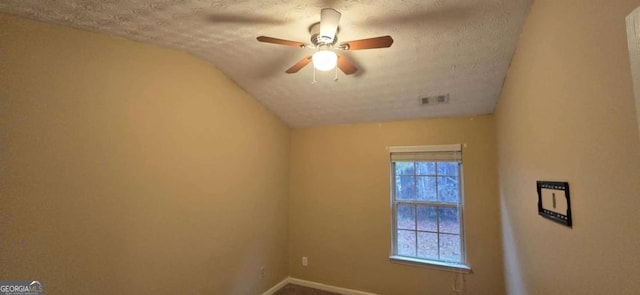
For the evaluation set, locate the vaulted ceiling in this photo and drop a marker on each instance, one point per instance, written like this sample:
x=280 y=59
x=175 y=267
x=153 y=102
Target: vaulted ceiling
x=459 y=48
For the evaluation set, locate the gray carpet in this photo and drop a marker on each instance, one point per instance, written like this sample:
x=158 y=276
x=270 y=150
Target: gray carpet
x=290 y=289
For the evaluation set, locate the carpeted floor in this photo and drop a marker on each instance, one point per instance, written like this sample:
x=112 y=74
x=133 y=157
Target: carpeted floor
x=299 y=290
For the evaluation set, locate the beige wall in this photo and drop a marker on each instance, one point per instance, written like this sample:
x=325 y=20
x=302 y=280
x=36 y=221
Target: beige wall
x=567 y=113
x=340 y=214
x=124 y=167
x=130 y=169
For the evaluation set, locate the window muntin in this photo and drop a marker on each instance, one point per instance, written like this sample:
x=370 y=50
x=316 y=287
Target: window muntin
x=427 y=207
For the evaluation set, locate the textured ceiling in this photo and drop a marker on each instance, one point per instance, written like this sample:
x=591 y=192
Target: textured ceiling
x=458 y=47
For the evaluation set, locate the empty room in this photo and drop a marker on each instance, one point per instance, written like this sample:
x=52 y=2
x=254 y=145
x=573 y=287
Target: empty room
x=279 y=147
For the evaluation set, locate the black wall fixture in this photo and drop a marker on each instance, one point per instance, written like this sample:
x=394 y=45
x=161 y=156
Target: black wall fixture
x=554 y=202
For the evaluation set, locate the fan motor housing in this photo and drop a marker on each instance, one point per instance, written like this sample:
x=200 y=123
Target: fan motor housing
x=318 y=40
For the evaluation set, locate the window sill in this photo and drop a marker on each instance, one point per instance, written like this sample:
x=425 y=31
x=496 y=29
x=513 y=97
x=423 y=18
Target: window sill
x=455 y=267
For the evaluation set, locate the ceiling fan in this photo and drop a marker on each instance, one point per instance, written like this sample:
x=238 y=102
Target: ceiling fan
x=324 y=40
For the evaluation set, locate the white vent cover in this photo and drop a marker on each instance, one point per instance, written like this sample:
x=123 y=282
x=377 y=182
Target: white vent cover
x=434 y=100
x=633 y=35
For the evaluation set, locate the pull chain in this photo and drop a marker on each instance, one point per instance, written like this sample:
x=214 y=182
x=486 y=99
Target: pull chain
x=335 y=77
x=314 y=76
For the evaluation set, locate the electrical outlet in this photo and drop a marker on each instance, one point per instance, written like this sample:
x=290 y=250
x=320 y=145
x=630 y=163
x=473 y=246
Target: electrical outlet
x=305 y=261
x=262 y=272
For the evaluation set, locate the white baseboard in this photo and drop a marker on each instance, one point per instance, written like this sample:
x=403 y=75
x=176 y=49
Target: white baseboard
x=277 y=287
x=314 y=285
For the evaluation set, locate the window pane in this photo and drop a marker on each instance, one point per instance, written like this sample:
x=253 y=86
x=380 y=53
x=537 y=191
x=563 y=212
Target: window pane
x=405 y=188
x=448 y=189
x=450 y=248
x=449 y=221
x=426 y=195
x=448 y=168
x=426 y=168
x=427 y=218
x=406 y=243
x=404 y=168
x=428 y=245
x=406 y=217
x=426 y=187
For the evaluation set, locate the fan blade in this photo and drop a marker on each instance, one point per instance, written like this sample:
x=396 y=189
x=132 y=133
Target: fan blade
x=377 y=42
x=346 y=66
x=280 y=41
x=329 y=19
x=295 y=68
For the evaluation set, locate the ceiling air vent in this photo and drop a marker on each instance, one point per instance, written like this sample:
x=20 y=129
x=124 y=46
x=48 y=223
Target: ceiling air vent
x=434 y=100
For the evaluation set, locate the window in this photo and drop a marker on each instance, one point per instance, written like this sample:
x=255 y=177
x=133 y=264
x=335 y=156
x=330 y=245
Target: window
x=427 y=205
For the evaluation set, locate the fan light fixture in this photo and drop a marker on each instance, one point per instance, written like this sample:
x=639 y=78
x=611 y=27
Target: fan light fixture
x=323 y=41
x=324 y=60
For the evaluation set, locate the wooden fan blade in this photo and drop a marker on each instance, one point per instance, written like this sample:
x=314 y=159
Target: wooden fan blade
x=346 y=66
x=377 y=42
x=280 y=41
x=295 y=68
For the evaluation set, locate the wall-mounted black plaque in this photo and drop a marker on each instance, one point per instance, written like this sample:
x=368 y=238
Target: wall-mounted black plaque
x=553 y=201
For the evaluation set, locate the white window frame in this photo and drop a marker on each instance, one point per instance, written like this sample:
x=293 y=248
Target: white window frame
x=462 y=266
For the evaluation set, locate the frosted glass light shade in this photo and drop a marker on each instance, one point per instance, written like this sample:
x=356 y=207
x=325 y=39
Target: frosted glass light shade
x=324 y=60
